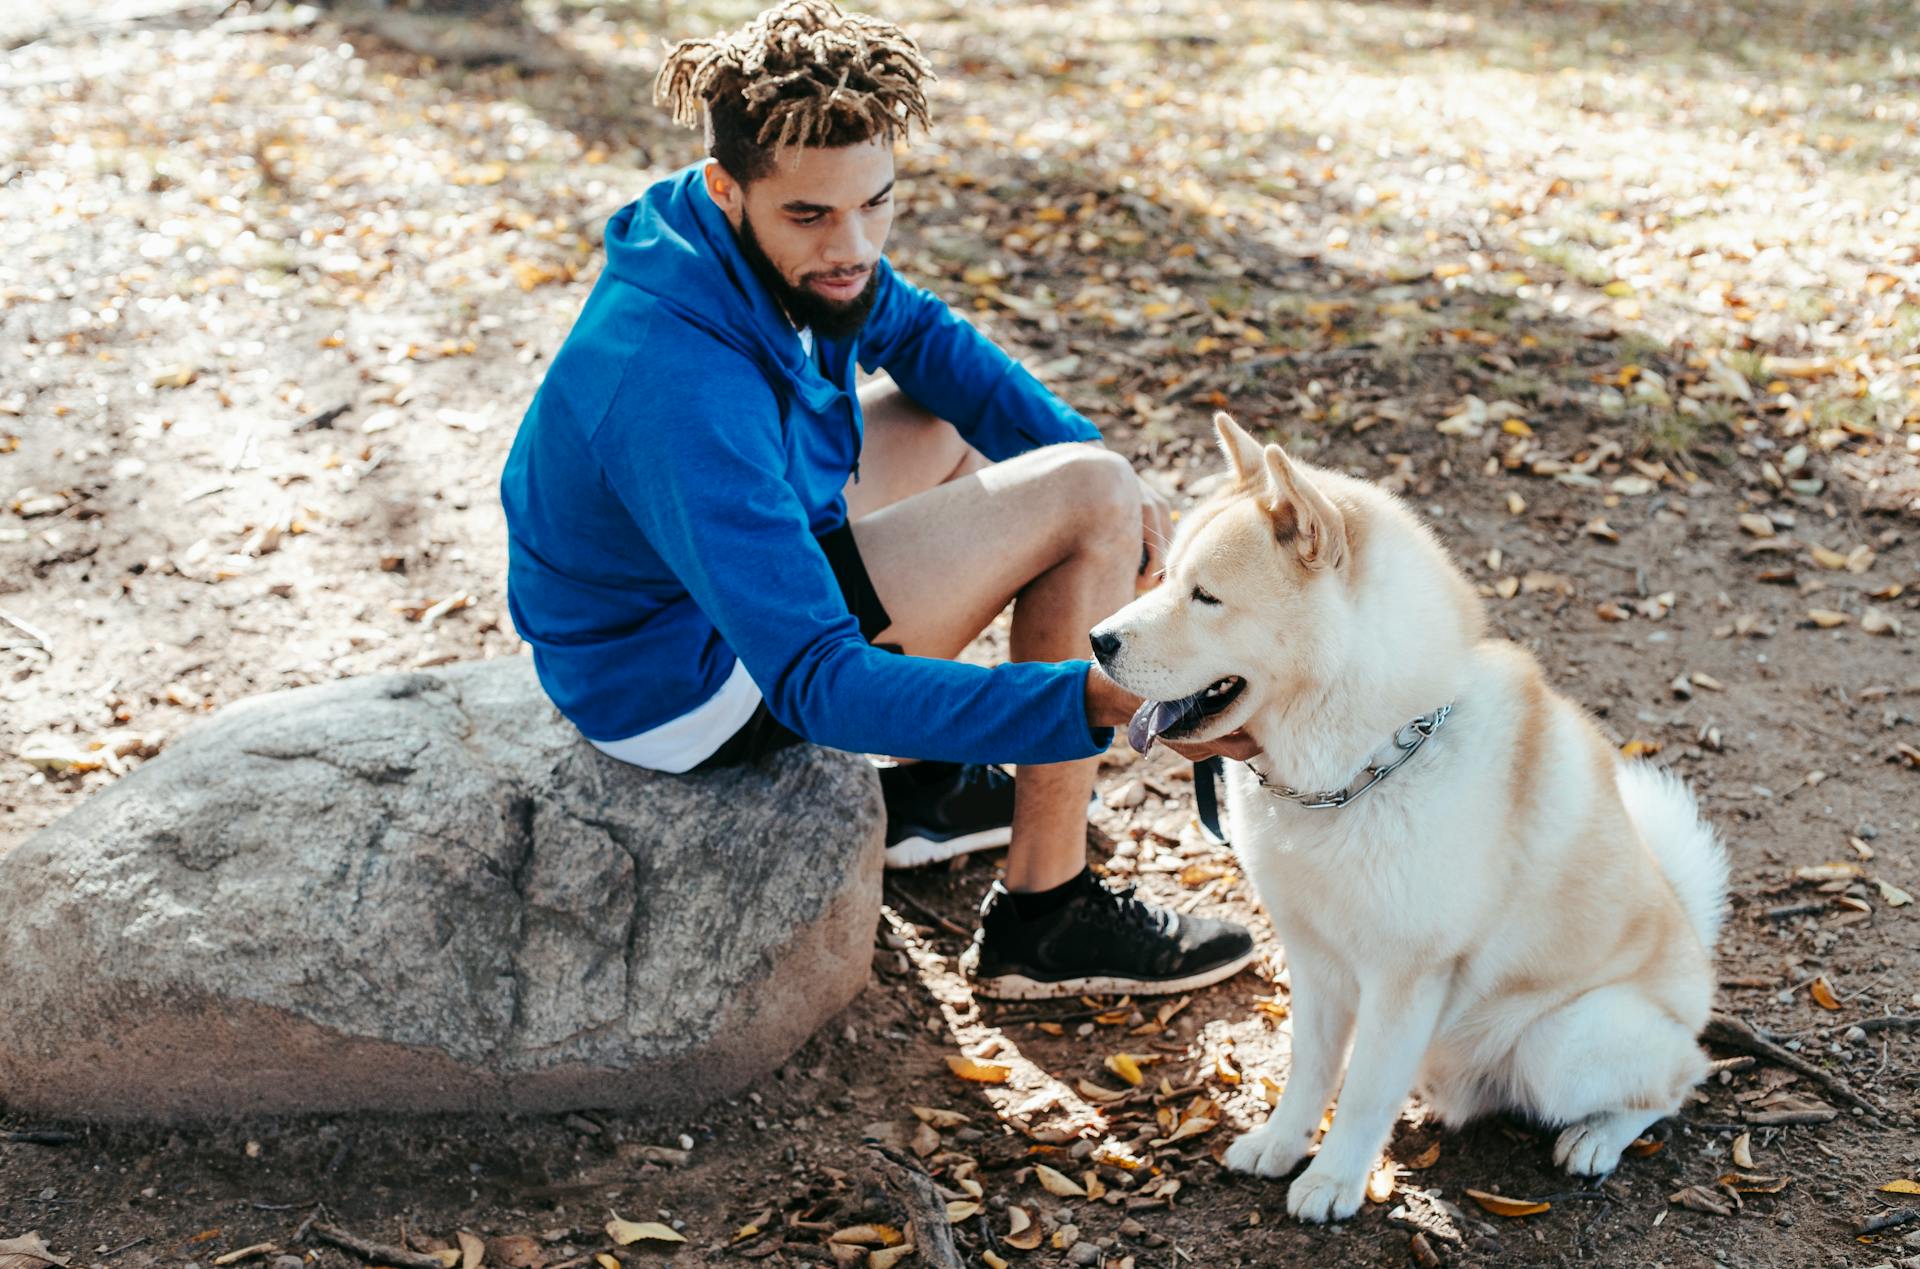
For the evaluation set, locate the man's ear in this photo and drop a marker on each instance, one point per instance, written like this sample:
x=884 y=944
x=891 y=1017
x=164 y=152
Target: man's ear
x=725 y=191
x=1294 y=501
x=1242 y=451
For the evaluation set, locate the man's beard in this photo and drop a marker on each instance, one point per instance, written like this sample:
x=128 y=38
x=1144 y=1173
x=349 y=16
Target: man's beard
x=828 y=319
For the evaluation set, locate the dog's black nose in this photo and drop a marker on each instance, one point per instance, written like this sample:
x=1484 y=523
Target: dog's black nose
x=1105 y=644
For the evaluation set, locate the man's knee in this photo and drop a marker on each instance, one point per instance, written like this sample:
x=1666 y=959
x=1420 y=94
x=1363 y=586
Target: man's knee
x=1102 y=495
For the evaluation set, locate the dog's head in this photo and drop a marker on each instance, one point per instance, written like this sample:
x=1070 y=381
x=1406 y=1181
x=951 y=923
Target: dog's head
x=1252 y=600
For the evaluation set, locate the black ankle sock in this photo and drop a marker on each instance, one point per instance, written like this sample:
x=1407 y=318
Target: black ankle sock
x=1033 y=905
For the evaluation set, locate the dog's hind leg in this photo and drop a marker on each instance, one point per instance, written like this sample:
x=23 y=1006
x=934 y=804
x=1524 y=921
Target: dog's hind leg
x=1607 y=1065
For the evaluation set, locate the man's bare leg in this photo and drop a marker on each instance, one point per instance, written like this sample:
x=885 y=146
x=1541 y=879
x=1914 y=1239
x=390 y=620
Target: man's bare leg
x=949 y=539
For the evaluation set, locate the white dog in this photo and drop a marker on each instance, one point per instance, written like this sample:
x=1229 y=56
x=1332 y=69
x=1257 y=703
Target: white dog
x=1508 y=917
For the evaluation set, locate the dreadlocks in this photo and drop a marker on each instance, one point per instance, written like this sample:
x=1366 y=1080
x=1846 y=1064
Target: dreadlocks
x=802 y=73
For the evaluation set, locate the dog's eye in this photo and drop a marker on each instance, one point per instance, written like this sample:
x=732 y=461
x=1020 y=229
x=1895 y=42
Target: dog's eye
x=1200 y=596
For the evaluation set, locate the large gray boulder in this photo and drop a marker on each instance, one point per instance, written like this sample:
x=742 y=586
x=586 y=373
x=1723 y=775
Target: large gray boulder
x=424 y=892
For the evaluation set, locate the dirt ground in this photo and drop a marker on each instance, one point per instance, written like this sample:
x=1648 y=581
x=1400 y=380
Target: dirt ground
x=1626 y=301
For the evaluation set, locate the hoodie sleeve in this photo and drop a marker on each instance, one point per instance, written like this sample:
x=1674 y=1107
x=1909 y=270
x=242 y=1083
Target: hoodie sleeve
x=941 y=361
x=696 y=456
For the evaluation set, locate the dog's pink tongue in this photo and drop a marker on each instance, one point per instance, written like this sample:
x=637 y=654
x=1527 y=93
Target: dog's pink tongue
x=1152 y=718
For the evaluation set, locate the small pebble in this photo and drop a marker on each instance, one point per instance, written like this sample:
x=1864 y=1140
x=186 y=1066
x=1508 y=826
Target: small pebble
x=1854 y=1035
x=1083 y=1254
x=287 y=1262
x=686 y=1142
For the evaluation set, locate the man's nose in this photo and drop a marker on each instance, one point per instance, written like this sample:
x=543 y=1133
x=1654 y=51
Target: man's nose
x=1106 y=644
x=850 y=245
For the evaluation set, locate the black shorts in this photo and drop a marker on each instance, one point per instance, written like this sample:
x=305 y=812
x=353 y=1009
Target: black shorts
x=763 y=734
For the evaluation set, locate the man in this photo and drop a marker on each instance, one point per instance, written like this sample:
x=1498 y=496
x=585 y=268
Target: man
x=721 y=544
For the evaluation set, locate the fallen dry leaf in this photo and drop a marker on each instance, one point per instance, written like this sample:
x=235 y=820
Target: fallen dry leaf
x=1126 y=1067
x=1892 y=895
x=27 y=1252
x=888 y=1257
x=516 y=1251
x=1743 y=1150
x=867 y=1236
x=1822 y=992
x=1699 y=1199
x=1827 y=618
x=1501 y=1205
x=1758 y=526
x=473 y=1251
x=979 y=1072
x=960 y=1209
x=1827 y=559
x=1057 y=1183
x=1380 y=1181
x=1425 y=1159
x=1876 y=622
x=938 y=1118
x=1747 y=1184
x=1644 y=1147
x=1827 y=872
x=1023 y=1233
x=624 y=1232
x=1902 y=1186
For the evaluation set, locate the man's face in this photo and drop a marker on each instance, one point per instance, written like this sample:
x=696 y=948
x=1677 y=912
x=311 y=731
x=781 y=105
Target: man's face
x=814 y=228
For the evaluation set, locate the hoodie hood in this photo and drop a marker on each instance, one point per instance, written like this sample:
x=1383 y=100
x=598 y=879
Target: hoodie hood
x=675 y=245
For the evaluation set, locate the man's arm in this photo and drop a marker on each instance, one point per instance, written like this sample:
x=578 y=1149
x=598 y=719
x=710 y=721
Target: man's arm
x=696 y=456
x=942 y=362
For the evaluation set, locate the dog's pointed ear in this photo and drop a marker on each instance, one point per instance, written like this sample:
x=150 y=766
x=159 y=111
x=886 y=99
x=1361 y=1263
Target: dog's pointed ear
x=1242 y=451
x=1303 y=513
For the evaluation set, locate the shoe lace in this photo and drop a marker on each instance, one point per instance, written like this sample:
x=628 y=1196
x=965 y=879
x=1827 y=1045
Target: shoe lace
x=1138 y=922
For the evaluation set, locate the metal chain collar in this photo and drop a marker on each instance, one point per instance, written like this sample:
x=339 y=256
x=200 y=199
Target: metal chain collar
x=1407 y=740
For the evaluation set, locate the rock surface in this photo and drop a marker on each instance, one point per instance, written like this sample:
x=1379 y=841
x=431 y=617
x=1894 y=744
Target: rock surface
x=424 y=892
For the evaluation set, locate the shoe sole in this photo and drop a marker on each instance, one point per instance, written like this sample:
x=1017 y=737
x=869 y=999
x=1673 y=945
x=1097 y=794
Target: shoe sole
x=918 y=852
x=1020 y=987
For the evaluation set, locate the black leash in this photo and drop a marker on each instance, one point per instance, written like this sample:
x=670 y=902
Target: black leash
x=1206 y=797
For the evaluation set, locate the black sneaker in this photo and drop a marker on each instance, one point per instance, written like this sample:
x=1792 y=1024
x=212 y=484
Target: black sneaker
x=1101 y=942
x=936 y=810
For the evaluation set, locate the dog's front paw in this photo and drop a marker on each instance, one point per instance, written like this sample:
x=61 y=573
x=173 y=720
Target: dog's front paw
x=1319 y=1196
x=1592 y=1147
x=1265 y=1152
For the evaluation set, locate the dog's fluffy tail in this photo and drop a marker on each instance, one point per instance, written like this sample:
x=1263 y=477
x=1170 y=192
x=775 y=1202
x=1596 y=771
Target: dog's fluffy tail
x=1689 y=851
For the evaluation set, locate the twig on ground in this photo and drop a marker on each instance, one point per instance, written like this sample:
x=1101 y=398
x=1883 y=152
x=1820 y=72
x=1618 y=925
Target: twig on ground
x=1072 y=1015
x=39 y=1137
x=323 y=419
x=375 y=1253
x=933 y=1236
x=1791 y=1118
x=109 y=1255
x=1735 y=1034
x=1892 y=1022
x=1887 y=1220
x=951 y=927
x=41 y=639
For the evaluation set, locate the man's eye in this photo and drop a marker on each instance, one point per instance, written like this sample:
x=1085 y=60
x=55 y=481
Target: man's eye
x=806 y=220
x=1200 y=596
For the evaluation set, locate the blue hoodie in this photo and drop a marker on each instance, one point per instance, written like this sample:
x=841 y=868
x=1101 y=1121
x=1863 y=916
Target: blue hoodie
x=667 y=485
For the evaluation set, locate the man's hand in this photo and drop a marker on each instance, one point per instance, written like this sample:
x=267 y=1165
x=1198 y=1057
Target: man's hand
x=1237 y=745
x=1156 y=530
